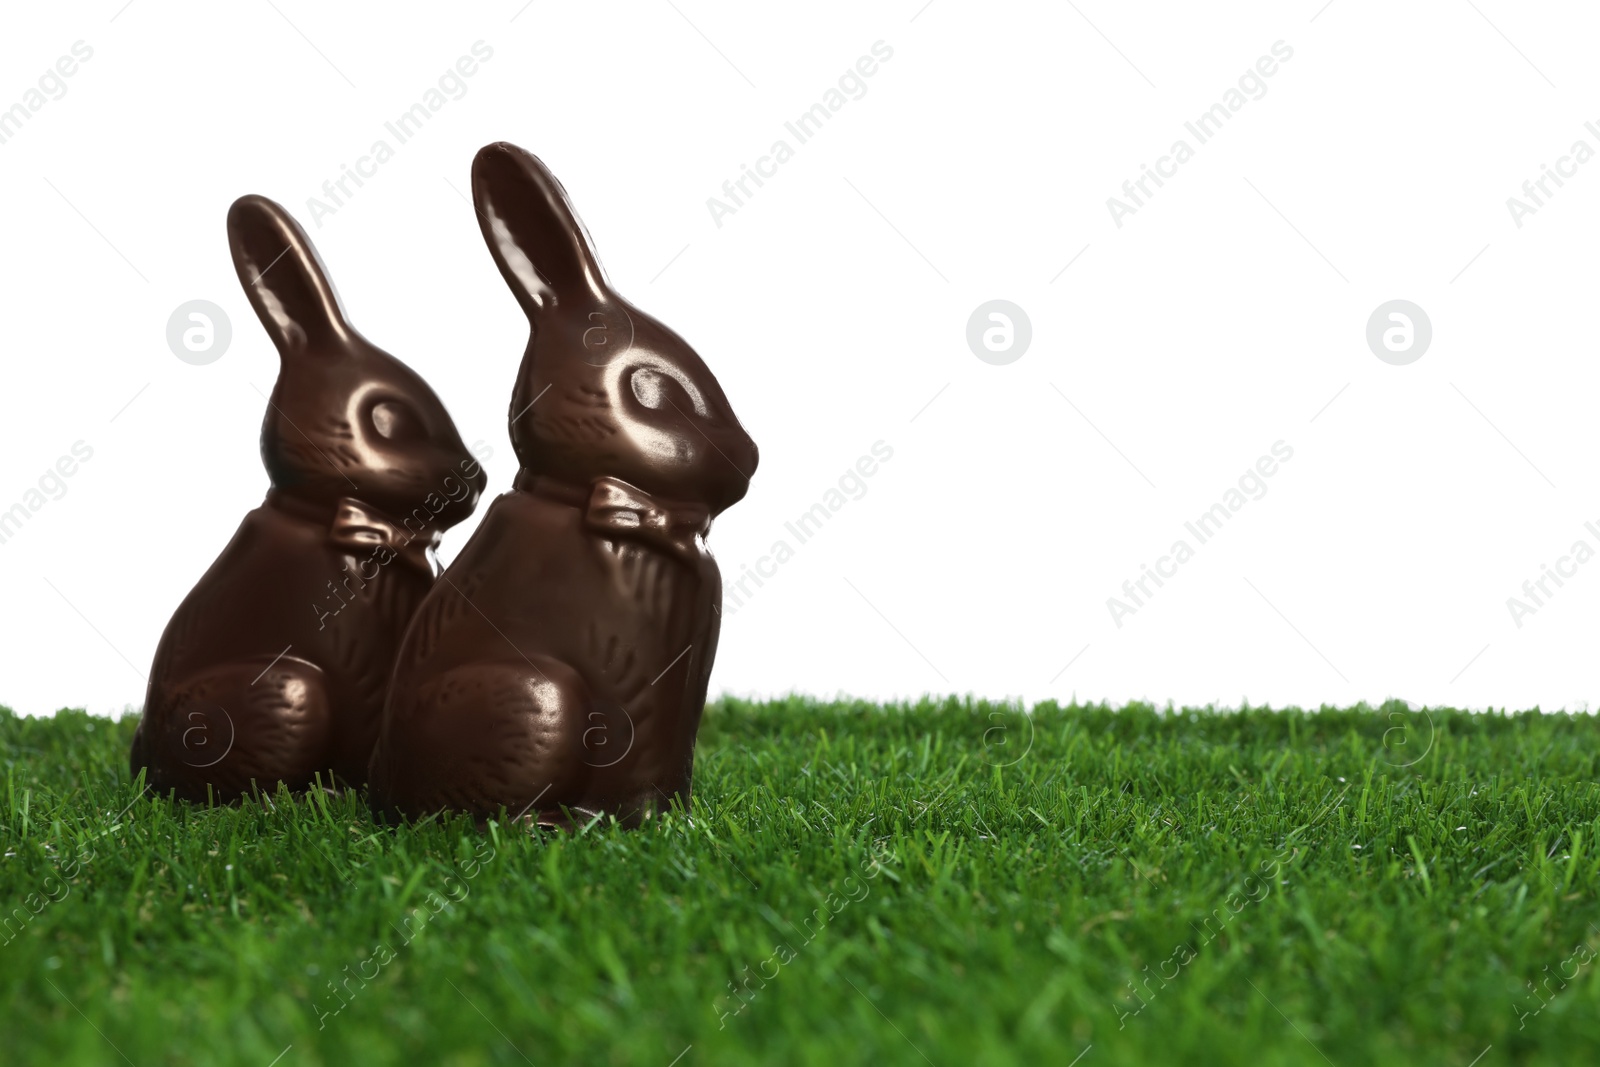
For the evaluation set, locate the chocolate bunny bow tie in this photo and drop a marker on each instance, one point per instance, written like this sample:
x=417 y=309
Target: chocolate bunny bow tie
x=617 y=507
x=614 y=508
x=356 y=526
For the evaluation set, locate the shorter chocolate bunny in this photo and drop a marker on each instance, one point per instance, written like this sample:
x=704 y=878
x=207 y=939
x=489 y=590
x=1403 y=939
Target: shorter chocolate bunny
x=559 y=668
x=273 y=668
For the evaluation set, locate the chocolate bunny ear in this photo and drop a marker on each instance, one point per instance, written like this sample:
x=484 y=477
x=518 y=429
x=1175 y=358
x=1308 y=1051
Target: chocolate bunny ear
x=280 y=272
x=537 y=241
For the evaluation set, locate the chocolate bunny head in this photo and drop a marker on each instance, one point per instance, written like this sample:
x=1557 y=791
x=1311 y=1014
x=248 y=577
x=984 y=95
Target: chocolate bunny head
x=604 y=389
x=346 y=419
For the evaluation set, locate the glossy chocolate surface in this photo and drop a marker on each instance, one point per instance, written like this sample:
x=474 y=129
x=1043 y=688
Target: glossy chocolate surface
x=274 y=666
x=559 y=668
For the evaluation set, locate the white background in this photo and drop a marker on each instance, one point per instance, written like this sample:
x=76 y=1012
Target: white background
x=1222 y=317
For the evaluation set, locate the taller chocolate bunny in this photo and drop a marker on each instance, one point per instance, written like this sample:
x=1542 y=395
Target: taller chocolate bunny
x=559 y=669
x=273 y=668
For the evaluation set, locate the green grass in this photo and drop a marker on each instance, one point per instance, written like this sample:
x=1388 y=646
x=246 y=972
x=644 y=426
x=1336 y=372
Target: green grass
x=1307 y=898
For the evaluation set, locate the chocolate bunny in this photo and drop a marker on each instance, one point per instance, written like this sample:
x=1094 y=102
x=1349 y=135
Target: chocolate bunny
x=559 y=668
x=273 y=668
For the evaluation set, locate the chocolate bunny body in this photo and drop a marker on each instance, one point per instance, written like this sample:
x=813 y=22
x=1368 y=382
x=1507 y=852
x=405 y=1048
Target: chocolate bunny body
x=274 y=666
x=559 y=668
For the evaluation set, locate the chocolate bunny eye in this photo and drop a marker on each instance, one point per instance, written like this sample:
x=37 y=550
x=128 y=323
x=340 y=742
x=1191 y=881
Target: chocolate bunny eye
x=650 y=388
x=397 y=422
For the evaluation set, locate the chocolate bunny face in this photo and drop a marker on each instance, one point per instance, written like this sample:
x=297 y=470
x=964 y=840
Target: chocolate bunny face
x=346 y=419
x=604 y=389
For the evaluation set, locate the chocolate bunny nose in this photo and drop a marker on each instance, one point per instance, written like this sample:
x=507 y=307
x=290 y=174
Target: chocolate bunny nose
x=479 y=481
